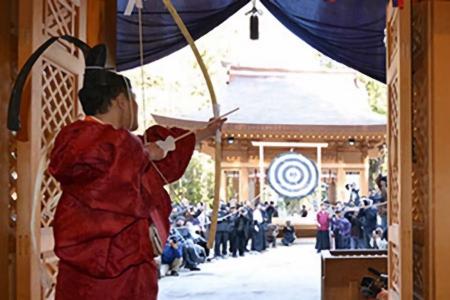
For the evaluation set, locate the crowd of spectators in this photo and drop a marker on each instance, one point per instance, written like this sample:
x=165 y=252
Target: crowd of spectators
x=359 y=223
x=241 y=229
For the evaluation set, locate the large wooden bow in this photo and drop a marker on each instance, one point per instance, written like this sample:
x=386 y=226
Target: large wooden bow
x=216 y=112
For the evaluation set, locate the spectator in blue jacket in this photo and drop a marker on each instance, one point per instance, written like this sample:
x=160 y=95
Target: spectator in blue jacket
x=344 y=227
x=171 y=258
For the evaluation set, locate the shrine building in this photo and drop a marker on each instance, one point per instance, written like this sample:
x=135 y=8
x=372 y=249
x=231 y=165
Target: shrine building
x=322 y=114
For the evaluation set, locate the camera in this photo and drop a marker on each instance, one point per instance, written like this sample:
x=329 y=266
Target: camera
x=371 y=287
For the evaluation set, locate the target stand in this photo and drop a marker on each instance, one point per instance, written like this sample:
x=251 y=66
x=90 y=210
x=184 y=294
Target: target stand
x=291 y=175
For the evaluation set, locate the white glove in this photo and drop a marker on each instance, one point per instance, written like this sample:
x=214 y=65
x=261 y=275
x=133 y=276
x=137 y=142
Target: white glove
x=167 y=145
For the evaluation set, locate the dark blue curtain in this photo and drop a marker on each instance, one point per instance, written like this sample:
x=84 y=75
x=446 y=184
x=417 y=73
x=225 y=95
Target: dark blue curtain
x=348 y=31
x=161 y=35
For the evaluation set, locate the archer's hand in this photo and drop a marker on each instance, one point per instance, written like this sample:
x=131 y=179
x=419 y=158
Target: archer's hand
x=154 y=152
x=210 y=130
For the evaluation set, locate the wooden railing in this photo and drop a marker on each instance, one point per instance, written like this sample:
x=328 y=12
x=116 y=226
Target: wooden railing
x=342 y=271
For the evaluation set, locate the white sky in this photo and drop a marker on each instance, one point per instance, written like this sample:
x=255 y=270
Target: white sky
x=276 y=47
x=230 y=42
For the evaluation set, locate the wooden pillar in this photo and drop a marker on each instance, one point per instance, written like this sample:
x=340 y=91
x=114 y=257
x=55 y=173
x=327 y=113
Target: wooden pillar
x=243 y=185
x=251 y=189
x=319 y=168
x=364 y=177
x=101 y=26
x=28 y=153
x=431 y=160
x=223 y=186
x=340 y=181
x=7 y=57
x=262 y=173
x=398 y=57
x=440 y=111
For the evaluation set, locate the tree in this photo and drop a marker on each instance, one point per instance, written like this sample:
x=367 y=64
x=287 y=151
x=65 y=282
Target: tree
x=197 y=183
x=377 y=94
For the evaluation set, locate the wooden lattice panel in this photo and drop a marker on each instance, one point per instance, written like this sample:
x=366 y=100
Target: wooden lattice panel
x=394 y=267
x=419 y=122
x=51 y=268
x=393 y=153
x=392 y=38
x=420 y=153
x=58 y=110
x=418 y=271
x=62 y=17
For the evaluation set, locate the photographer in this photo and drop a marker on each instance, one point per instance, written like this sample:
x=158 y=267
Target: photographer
x=354 y=194
x=378 y=241
x=271 y=212
x=171 y=258
x=288 y=234
x=381 y=182
x=222 y=233
x=258 y=235
x=240 y=227
x=368 y=217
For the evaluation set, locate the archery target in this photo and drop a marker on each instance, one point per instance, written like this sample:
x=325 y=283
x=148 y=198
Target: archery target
x=293 y=175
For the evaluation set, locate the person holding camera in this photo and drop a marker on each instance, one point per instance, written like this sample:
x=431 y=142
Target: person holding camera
x=377 y=241
x=288 y=234
x=171 y=258
x=241 y=222
x=368 y=217
x=354 y=194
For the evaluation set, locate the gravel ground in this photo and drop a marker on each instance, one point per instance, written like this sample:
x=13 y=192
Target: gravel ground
x=282 y=273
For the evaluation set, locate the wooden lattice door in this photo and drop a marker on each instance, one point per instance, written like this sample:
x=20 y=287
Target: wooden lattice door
x=52 y=103
x=400 y=144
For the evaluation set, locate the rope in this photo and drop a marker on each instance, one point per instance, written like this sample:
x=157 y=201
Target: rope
x=141 y=57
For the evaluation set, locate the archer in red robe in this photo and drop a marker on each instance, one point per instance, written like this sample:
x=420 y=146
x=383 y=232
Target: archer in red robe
x=112 y=183
x=101 y=225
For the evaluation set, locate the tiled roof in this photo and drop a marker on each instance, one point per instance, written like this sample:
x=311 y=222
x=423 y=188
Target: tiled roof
x=299 y=98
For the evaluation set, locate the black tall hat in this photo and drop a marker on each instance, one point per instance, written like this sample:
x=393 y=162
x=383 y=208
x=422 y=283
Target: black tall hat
x=95 y=60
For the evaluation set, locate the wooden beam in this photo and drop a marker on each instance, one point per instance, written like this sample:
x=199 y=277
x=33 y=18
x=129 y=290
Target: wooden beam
x=438 y=210
x=290 y=144
x=27 y=265
x=6 y=63
x=101 y=26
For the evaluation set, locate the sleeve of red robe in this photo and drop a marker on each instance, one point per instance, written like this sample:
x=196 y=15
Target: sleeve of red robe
x=172 y=168
x=176 y=162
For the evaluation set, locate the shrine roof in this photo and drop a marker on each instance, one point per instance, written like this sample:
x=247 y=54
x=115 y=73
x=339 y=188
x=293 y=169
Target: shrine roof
x=288 y=99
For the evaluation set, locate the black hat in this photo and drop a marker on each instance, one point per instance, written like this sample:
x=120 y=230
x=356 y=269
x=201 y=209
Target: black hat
x=95 y=74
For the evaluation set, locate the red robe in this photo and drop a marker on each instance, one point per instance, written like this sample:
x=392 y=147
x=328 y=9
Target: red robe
x=102 y=219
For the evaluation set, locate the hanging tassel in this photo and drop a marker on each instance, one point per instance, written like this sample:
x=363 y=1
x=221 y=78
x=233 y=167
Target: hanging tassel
x=254 y=27
x=254 y=22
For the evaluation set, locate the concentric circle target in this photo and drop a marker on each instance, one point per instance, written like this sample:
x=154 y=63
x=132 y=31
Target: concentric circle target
x=293 y=175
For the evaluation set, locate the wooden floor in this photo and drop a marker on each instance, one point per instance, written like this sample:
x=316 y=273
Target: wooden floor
x=286 y=273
